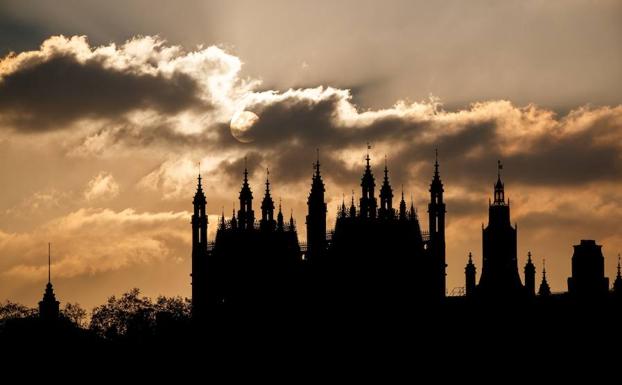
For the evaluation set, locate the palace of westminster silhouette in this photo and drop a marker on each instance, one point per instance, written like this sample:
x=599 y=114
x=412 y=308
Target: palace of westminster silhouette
x=376 y=254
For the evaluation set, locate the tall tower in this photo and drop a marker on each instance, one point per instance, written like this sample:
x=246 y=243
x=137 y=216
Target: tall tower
x=530 y=276
x=246 y=215
x=500 y=276
x=199 y=254
x=49 y=306
x=368 y=200
x=436 y=213
x=470 y=272
x=267 y=222
x=316 y=217
x=386 y=196
x=588 y=279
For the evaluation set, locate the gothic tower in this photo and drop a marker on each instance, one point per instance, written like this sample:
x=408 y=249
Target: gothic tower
x=199 y=254
x=316 y=217
x=246 y=215
x=470 y=272
x=545 y=289
x=530 y=276
x=402 y=214
x=280 y=225
x=499 y=268
x=368 y=200
x=436 y=212
x=386 y=196
x=49 y=306
x=267 y=222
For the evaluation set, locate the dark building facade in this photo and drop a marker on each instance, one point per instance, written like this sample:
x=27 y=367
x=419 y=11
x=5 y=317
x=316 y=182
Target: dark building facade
x=378 y=254
x=500 y=277
x=588 y=271
x=254 y=263
x=375 y=254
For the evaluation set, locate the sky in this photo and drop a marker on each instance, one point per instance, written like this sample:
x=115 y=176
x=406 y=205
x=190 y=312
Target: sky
x=108 y=108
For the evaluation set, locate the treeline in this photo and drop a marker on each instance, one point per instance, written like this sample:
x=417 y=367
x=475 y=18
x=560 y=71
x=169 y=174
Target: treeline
x=129 y=317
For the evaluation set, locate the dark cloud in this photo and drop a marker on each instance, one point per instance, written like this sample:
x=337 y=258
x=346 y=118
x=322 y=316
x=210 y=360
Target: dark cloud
x=50 y=93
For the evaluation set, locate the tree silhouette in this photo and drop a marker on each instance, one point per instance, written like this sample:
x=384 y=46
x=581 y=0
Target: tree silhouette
x=74 y=313
x=135 y=317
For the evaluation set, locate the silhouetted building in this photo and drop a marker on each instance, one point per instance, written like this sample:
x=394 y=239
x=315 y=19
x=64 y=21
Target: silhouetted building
x=500 y=276
x=49 y=306
x=377 y=255
x=588 y=271
x=316 y=217
x=436 y=216
x=545 y=289
x=530 y=276
x=470 y=273
x=200 y=261
x=254 y=263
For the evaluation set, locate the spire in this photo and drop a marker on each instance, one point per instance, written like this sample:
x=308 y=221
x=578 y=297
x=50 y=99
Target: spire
x=530 y=276
x=368 y=203
x=280 y=226
x=619 y=274
x=402 y=206
x=352 y=207
x=246 y=215
x=292 y=224
x=499 y=188
x=48 y=306
x=470 y=272
x=386 y=196
x=317 y=163
x=199 y=196
x=50 y=263
x=545 y=289
x=436 y=175
x=267 y=207
x=436 y=187
x=222 y=219
x=412 y=214
x=234 y=222
x=343 y=206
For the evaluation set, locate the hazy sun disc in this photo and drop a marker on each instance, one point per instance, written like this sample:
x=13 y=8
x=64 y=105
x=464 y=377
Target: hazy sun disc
x=241 y=124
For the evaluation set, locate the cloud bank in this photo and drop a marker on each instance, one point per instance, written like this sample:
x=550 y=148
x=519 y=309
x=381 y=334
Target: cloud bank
x=149 y=113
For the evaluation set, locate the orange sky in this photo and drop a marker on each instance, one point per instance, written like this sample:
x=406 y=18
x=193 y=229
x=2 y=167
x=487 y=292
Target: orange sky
x=100 y=141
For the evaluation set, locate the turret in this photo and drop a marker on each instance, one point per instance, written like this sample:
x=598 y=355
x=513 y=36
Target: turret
x=545 y=289
x=470 y=276
x=246 y=215
x=368 y=201
x=49 y=306
x=316 y=215
x=436 y=214
x=267 y=208
x=199 y=253
x=530 y=276
x=402 y=214
x=386 y=196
